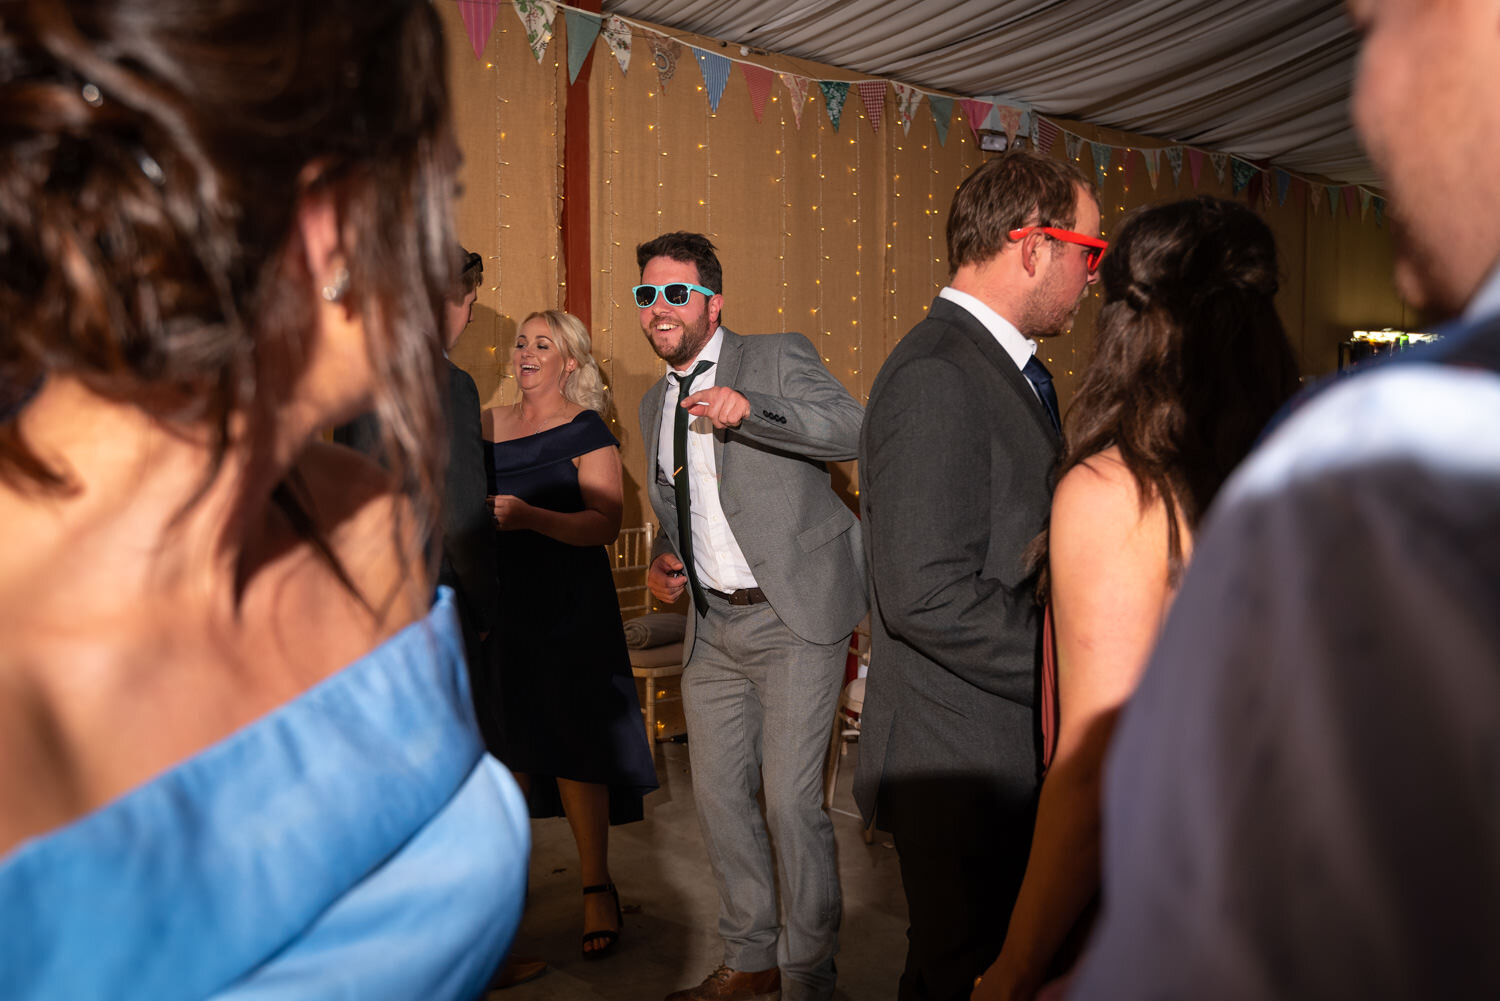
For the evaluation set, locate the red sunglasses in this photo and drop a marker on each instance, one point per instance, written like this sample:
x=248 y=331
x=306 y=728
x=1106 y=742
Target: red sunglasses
x=1096 y=246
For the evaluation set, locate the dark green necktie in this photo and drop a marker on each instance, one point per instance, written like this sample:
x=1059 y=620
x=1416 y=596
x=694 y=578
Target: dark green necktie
x=680 y=485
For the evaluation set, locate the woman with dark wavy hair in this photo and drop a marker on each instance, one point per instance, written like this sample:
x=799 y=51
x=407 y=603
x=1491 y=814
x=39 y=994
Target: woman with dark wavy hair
x=237 y=755
x=1190 y=362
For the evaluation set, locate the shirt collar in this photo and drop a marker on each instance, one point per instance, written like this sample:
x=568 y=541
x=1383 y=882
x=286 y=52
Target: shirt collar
x=1017 y=345
x=1486 y=302
x=710 y=353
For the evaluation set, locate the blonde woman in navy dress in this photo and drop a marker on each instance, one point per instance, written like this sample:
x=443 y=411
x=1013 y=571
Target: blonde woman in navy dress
x=571 y=721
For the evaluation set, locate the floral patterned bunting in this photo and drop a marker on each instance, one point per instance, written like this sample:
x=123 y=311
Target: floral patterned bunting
x=835 y=93
x=537 y=17
x=908 y=100
x=617 y=35
x=664 y=53
x=797 y=86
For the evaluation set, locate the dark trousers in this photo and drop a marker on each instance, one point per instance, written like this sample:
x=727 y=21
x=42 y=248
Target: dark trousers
x=963 y=853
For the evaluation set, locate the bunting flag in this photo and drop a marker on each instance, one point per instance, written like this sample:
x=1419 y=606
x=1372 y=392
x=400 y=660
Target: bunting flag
x=1129 y=166
x=1333 y=199
x=835 y=93
x=1315 y=194
x=976 y=111
x=1265 y=189
x=759 y=80
x=1283 y=185
x=715 y=70
x=1242 y=173
x=1379 y=205
x=1010 y=120
x=583 y=31
x=479 y=21
x=872 y=93
x=942 y=116
x=1102 y=153
x=1350 y=197
x=908 y=100
x=1195 y=166
x=1153 y=163
x=1027 y=125
x=797 y=87
x=1174 y=160
x=1220 y=161
x=1364 y=203
x=1044 y=134
x=537 y=17
x=1072 y=146
x=664 y=56
x=617 y=35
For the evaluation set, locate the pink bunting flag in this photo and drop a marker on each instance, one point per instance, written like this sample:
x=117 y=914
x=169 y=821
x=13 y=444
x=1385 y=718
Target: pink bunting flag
x=872 y=93
x=1195 y=164
x=976 y=112
x=1010 y=120
x=1351 y=196
x=479 y=21
x=759 y=80
x=797 y=87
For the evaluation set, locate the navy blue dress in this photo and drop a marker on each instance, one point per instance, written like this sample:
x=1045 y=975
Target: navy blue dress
x=568 y=706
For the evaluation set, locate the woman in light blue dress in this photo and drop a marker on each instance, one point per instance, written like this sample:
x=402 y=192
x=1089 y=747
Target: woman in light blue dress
x=238 y=757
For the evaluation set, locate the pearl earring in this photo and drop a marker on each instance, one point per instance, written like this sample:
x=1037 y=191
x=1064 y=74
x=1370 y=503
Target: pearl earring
x=334 y=290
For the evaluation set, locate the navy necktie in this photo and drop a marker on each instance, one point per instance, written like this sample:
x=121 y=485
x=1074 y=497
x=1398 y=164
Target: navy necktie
x=1036 y=373
x=680 y=485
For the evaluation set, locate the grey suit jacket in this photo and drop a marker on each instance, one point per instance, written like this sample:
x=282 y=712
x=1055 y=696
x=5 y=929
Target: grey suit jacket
x=955 y=457
x=796 y=534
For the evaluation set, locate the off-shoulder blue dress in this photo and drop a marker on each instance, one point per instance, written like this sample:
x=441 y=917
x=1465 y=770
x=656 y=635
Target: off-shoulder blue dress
x=569 y=708
x=356 y=842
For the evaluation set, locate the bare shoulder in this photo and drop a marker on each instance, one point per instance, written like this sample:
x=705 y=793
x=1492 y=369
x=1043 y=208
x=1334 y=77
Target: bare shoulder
x=1098 y=502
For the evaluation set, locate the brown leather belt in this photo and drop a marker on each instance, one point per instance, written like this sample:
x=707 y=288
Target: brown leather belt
x=744 y=596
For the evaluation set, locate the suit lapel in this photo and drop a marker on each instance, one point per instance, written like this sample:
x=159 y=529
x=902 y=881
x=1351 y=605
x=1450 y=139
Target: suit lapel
x=651 y=433
x=731 y=353
x=1005 y=366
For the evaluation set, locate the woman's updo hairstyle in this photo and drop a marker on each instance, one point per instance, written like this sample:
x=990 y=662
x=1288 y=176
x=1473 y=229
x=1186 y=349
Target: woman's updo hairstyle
x=585 y=384
x=152 y=156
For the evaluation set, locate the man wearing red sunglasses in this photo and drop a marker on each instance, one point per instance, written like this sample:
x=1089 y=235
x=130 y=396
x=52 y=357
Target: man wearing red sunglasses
x=960 y=436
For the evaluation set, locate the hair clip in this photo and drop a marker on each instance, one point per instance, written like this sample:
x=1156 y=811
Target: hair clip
x=92 y=95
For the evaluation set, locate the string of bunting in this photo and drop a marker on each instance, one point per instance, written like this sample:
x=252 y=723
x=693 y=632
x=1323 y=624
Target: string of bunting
x=1258 y=182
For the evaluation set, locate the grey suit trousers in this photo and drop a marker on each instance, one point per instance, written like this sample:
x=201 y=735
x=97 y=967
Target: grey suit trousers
x=759 y=701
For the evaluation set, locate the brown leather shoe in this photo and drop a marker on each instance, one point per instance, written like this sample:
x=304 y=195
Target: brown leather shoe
x=725 y=984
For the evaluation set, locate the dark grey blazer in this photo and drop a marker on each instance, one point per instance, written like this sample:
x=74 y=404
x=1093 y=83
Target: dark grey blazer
x=954 y=466
x=796 y=533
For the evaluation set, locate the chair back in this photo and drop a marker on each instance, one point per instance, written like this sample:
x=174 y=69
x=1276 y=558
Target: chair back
x=629 y=557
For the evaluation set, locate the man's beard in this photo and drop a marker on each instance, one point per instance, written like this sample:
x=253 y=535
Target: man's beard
x=691 y=342
x=1048 y=313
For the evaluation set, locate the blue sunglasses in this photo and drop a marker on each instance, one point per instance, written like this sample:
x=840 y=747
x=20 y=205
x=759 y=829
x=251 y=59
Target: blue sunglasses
x=676 y=293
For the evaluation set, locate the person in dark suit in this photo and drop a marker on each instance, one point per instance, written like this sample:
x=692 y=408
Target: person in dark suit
x=774 y=570
x=468 y=548
x=960 y=437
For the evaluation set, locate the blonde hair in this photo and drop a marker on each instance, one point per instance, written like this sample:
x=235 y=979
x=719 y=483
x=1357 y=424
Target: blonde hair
x=585 y=384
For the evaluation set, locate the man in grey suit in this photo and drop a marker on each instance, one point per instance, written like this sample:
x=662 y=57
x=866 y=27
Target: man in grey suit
x=955 y=459
x=737 y=436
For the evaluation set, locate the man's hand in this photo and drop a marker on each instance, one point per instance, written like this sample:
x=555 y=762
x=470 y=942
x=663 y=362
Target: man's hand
x=510 y=512
x=721 y=405
x=666 y=578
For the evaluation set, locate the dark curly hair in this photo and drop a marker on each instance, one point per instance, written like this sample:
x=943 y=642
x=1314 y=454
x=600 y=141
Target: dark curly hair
x=1190 y=357
x=152 y=158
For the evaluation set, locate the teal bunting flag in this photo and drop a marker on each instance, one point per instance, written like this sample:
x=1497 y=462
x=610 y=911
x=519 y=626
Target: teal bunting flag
x=942 y=115
x=835 y=93
x=583 y=31
x=1243 y=172
x=715 y=69
x=1102 y=153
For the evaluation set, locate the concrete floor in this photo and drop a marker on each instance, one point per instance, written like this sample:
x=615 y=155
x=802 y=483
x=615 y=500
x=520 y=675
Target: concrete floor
x=671 y=905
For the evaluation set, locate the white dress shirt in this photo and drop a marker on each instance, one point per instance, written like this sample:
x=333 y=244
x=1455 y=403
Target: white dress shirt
x=720 y=563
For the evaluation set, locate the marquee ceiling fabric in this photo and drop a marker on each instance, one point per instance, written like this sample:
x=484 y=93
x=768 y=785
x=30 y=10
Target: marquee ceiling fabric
x=1263 y=79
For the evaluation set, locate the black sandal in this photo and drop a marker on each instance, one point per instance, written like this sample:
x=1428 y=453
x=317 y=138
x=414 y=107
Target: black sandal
x=609 y=937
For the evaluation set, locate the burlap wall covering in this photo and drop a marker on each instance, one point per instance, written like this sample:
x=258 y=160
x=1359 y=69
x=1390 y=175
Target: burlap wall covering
x=837 y=233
